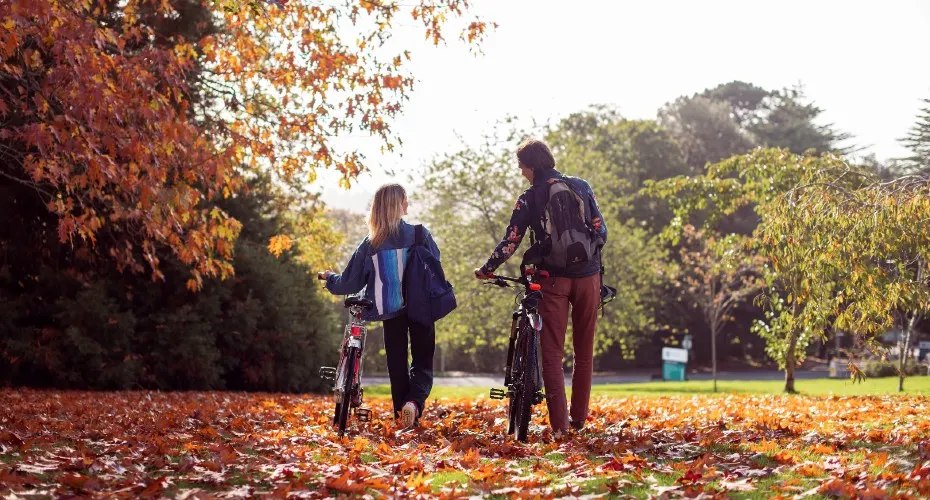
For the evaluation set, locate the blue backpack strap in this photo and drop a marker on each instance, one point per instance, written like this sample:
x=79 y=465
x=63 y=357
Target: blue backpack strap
x=418 y=235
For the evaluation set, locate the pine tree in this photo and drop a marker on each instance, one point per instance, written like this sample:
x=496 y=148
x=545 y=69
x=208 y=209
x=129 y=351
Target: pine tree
x=918 y=142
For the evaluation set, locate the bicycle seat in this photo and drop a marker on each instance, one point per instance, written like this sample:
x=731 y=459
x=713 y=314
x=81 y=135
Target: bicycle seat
x=359 y=302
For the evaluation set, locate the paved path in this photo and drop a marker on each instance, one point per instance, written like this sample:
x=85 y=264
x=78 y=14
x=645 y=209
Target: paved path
x=491 y=380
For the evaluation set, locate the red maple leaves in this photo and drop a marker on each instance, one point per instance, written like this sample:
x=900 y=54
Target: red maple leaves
x=165 y=444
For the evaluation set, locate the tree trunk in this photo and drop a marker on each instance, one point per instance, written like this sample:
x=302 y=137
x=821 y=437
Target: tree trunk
x=713 y=352
x=905 y=350
x=790 y=361
x=442 y=359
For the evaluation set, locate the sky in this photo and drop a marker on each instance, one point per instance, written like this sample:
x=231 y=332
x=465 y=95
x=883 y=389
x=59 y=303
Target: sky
x=861 y=61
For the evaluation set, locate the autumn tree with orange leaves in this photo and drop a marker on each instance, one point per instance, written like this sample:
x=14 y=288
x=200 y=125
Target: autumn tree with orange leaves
x=151 y=146
x=123 y=122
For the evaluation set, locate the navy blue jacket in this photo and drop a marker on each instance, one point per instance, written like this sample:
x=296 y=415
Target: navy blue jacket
x=380 y=272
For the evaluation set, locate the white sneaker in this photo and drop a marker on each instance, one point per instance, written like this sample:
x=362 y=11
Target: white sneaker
x=408 y=414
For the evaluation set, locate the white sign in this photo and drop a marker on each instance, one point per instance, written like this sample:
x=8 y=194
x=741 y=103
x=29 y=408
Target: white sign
x=923 y=344
x=674 y=354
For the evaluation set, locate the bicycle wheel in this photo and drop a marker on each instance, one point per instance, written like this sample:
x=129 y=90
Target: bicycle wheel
x=342 y=408
x=528 y=387
x=527 y=392
x=512 y=375
x=511 y=415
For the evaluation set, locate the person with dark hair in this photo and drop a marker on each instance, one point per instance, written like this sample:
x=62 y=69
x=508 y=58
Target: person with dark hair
x=568 y=235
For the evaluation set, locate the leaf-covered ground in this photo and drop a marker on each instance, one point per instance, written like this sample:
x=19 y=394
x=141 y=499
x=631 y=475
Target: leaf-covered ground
x=134 y=444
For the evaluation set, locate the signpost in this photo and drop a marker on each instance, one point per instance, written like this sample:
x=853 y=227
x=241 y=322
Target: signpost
x=674 y=362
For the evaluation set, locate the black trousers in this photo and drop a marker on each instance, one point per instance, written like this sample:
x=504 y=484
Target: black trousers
x=409 y=382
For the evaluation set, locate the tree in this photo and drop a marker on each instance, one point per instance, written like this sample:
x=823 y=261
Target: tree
x=617 y=155
x=716 y=276
x=266 y=328
x=759 y=181
x=868 y=236
x=778 y=118
x=466 y=198
x=126 y=118
x=735 y=117
x=918 y=142
x=705 y=130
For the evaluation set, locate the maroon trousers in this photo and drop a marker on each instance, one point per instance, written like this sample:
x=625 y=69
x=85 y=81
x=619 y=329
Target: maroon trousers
x=584 y=296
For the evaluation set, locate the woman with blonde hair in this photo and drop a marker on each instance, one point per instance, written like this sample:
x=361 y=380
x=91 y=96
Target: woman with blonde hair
x=377 y=267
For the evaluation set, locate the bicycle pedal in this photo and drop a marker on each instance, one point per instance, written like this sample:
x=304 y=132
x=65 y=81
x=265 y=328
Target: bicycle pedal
x=540 y=397
x=363 y=414
x=498 y=394
x=328 y=373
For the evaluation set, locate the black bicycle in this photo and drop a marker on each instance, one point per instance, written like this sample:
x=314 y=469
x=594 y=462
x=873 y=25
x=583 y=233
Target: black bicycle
x=523 y=375
x=347 y=376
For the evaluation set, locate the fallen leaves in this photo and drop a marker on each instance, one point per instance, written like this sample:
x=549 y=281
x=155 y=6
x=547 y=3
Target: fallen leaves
x=146 y=444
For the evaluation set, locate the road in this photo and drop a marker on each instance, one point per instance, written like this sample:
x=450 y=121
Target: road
x=492 y=380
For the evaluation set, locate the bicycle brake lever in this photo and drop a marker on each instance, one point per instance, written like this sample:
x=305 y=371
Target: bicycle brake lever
x=497 y=282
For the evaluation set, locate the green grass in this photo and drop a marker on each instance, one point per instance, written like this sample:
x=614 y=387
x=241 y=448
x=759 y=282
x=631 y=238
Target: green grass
x=441 y=479
x=822 y=386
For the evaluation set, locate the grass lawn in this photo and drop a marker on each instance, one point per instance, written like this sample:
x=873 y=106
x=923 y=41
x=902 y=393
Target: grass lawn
x=824 y=386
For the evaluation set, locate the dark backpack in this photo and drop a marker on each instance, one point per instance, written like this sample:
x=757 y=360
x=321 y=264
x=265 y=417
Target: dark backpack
x=428 y=295
x=569 y=241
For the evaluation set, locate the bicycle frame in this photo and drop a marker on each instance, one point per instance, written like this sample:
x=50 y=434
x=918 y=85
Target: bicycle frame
x=354 y=336
x=347 y=375
x=525 y=333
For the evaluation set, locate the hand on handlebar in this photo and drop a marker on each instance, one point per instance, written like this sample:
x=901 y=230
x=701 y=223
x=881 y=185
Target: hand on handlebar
x=481 y=275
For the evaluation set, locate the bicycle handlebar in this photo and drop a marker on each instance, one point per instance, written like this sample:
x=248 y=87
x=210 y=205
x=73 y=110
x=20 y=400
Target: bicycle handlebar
x=502 y=281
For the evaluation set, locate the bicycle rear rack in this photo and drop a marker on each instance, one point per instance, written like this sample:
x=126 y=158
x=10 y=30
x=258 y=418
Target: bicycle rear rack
x=328 y=373
x=498 y=393
x=363 y=414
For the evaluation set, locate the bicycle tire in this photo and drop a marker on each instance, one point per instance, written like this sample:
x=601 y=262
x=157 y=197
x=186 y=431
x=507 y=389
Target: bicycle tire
x=527 y=388
x=343 y=407
x=511 y=421
x=513 y=364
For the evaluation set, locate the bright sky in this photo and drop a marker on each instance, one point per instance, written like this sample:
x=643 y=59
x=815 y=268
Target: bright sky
x=862 y=61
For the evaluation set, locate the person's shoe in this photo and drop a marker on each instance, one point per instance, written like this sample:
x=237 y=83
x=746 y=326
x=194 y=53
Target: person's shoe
x=560 y=436
x=576 y=426
x=408 y=414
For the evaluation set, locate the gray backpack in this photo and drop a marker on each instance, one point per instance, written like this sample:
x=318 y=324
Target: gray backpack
x=569 y=241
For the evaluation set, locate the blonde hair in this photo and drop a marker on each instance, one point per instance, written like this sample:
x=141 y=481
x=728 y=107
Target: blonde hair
x=387 y=209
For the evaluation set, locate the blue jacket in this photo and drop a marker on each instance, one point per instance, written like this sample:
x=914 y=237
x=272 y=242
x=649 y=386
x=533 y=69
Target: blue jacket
x=527 y=215
x=380 y=273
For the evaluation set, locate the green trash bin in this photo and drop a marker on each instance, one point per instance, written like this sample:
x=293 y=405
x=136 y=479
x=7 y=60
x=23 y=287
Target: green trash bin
x=673 y=370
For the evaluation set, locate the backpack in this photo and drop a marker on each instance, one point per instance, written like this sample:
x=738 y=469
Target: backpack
x=569 y=241
x=428 y=295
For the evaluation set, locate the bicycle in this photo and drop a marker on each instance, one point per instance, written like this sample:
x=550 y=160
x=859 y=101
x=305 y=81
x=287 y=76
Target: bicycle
x=523 y=375
x=347 y=376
